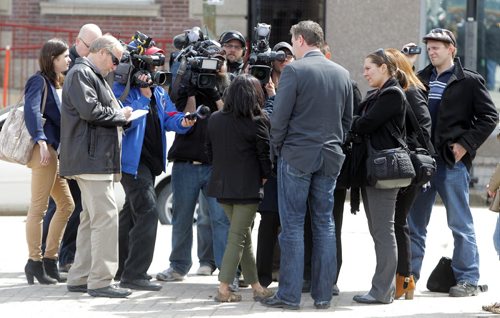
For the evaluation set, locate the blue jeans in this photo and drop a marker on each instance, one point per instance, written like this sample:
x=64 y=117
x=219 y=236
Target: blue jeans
x=204 y=234
x=452 y=184
x=187 y=182
x=296 y=189
x=496 y=237
x=491 y=67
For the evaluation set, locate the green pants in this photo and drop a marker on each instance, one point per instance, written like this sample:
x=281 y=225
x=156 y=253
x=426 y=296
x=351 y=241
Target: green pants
x=239 y=243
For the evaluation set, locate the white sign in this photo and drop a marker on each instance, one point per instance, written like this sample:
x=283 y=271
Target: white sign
x=215 y=2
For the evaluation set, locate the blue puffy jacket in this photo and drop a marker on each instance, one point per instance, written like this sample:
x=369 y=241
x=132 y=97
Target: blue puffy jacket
x=170 y=120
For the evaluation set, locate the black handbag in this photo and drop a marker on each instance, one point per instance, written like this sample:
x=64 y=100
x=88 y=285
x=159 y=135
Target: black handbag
x=442 y=277
x=389 y=168
x=424 y=164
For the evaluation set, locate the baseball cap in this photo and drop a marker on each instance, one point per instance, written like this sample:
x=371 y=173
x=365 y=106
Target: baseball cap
x=283 y=45
x=232 y=35
x=442 y=35
x=153 y=50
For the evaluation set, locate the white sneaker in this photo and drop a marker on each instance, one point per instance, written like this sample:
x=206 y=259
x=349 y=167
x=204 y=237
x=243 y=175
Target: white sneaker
x=170 y=275
x=204 y=270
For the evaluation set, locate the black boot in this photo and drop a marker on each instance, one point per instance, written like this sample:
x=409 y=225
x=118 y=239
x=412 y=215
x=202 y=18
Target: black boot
x=50 y=266
x=35 y=269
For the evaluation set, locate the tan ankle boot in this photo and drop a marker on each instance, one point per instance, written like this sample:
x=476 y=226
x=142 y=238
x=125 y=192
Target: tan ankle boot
x=404 y=286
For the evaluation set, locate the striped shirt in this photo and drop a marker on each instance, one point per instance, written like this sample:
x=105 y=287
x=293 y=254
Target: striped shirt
x=437 y=85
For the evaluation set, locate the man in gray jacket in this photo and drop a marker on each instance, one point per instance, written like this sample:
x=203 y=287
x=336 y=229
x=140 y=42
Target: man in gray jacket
x=312 y=114
x=90 y=153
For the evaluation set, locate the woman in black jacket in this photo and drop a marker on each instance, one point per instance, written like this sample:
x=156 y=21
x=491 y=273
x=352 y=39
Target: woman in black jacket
x=381 y=113
x=238 y=146
x=415 y=94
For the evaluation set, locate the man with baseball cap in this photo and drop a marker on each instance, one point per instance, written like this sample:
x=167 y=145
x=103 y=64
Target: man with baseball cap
x=278 y=66
x=463 y=116
x=234 y=44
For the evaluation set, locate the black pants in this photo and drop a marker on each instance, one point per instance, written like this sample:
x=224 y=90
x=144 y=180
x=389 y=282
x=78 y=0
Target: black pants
x=266 y=242
x=67 y=249
x=138 y=225
x=404 y=201
x=338 y=217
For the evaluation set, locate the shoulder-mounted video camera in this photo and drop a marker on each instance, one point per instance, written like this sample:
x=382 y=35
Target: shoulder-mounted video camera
x=261 y=56
x=200 y=56
x=140 y=58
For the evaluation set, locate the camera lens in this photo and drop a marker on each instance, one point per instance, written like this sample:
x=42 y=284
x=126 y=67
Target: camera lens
x=206 y=80
x=406 y=50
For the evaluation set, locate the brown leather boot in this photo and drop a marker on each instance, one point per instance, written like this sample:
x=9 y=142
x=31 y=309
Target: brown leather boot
x=405 y=285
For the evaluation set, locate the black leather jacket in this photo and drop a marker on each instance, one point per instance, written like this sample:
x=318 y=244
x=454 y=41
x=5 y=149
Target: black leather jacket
x=89 y=134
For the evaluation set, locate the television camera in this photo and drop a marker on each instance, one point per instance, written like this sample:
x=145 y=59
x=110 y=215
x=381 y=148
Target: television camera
x=261 y=56
x=200 y=57
x=139 y=58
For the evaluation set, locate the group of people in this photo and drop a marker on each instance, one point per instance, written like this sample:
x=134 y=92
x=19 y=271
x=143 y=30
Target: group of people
x=288 y=149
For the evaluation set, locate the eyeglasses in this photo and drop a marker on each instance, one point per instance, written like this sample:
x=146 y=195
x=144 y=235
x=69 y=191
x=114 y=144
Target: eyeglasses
x=232 y=46
x=84 y=43
x=114 y=59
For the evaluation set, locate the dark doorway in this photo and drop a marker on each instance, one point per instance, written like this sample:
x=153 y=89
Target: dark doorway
x=282 y=14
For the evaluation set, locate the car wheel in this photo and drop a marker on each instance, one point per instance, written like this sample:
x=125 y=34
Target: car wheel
x=164 y=203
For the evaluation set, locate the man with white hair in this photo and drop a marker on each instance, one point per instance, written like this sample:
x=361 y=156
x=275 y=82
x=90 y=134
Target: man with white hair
x=88 y=33
x=91 y=118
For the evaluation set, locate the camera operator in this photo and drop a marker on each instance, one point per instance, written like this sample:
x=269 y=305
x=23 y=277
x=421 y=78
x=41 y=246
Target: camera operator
x=278 y=66
x=234 y=44
x=191 y=169
x=142 y=160
x=268 y=208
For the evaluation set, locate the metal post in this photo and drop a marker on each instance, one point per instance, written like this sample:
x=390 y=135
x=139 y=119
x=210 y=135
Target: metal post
x=6 y=77
x=209 y=18
x=470 y=45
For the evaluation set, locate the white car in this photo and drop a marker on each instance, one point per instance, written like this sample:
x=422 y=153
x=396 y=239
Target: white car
x=16 y=179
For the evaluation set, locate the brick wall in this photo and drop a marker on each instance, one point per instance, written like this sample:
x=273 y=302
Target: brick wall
x=173 y=19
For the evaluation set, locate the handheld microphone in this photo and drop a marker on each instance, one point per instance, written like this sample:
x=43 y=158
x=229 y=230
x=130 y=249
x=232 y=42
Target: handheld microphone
x=201 y=112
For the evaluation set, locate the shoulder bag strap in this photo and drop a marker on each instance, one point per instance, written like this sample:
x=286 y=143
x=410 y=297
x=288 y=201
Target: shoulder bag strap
x=420 y=134
x=414 y=121
x=45 y=91
x=392 y=126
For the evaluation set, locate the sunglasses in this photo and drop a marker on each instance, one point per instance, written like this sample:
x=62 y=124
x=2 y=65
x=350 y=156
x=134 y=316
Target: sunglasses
x=380 y=52
x=114 y=59
x=85 y=43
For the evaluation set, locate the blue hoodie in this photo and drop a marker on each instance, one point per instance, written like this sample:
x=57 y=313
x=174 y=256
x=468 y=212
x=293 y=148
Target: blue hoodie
x=170 y=120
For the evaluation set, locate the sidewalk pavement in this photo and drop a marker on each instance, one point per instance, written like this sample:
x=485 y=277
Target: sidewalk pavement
x=194 y=296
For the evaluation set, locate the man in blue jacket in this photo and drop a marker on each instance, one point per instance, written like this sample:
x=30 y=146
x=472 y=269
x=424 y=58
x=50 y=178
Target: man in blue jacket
x=142 y=160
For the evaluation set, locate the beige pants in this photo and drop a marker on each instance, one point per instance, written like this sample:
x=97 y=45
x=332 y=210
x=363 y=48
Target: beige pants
x=96 y=259
x=45 y=182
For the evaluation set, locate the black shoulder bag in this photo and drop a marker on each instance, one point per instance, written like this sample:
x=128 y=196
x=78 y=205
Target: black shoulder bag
x=389 y=168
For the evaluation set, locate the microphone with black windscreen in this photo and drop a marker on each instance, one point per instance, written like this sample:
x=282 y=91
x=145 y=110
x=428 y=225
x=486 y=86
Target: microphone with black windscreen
x=202 y=112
